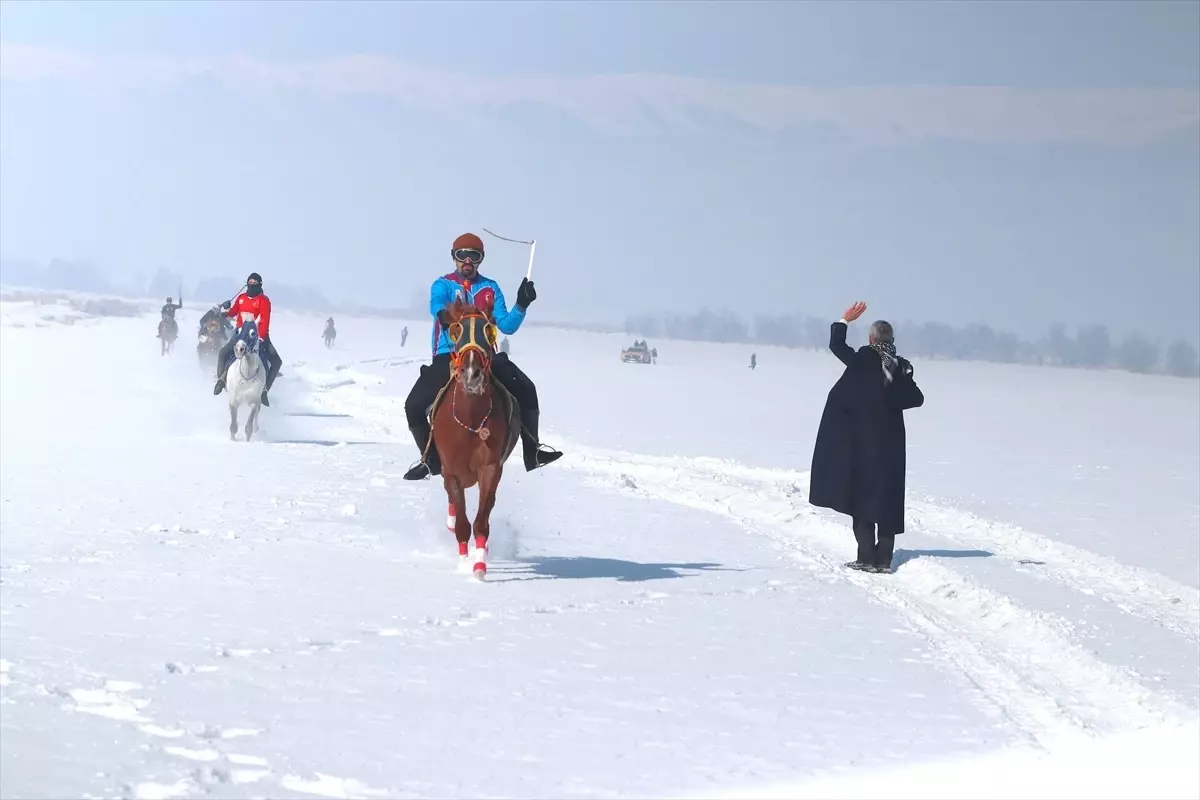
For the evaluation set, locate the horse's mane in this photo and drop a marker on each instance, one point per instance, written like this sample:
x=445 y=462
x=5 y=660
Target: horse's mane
x=459 y=308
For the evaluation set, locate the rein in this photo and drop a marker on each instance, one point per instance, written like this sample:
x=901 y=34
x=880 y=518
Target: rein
x=241 y=366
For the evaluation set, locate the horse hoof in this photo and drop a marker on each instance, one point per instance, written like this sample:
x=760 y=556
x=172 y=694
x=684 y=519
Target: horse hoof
x=480 y=571
x=464 y=564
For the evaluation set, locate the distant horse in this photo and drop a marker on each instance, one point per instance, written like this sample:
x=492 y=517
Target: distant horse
x=330 y=333
x=474 y=429
x=246 y=379
x=210 y=340
x=168 y=332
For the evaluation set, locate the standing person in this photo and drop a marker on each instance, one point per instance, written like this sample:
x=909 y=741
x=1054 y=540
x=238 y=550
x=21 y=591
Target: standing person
x=250 y=304
x=858 y=461
x=465 y=281
x=403 y=335
x=753 y=360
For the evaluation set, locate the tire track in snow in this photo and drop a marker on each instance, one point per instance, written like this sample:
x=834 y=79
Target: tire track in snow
x=1027 y=664
x=1135 y=591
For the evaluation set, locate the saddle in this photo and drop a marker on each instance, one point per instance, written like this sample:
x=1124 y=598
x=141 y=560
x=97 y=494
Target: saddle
x=505 y=404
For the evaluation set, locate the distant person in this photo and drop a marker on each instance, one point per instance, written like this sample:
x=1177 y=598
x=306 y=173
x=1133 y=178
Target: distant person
x=221 y=322
x=858 y=461
x=168 y=328
x=330 y=332
x=250 y=304
x=753 y=360
x=403 y=335
x=654 y=355
x=168 y=310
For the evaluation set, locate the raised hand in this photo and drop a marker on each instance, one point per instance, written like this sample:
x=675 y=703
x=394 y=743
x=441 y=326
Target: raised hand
x=855 y=311
x=526 y=293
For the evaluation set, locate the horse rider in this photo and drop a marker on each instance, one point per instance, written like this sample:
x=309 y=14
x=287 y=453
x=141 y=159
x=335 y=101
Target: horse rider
x=465 y=280
x=168 y=312
x=330 y=332
x=250 y=304
x=215 y=314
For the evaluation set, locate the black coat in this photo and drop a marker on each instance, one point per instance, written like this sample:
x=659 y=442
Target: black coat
x=859 y=458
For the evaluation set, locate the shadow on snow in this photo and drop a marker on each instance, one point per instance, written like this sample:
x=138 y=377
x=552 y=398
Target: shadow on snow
x=578 y=567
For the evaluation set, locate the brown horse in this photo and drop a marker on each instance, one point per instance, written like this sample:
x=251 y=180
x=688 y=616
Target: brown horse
x=475 y=426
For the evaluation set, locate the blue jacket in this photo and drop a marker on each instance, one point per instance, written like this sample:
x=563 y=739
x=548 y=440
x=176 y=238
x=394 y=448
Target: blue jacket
x=446 y=288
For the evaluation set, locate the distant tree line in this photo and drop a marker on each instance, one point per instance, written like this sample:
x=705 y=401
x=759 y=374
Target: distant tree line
x=1091 y=346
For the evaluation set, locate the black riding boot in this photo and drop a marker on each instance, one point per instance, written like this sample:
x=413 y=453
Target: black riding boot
x=530 y=447
x=432 y=464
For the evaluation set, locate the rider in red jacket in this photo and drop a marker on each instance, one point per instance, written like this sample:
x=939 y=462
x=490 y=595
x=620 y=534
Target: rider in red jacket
x=250 y=304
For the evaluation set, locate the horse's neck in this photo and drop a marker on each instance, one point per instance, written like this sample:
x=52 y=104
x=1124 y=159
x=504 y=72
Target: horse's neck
x=249 y=364
x=472 y=408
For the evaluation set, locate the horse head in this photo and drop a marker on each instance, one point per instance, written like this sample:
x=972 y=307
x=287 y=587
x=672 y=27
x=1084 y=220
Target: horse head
x=247 y=339
x=473 y=341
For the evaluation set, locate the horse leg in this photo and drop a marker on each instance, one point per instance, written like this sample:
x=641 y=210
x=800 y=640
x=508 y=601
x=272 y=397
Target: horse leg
x=252 y=419
x=489 y=479
x=233 y=423
x=457 y=497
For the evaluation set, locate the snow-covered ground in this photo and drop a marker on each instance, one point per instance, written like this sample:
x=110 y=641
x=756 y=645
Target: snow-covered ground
x=664 y=615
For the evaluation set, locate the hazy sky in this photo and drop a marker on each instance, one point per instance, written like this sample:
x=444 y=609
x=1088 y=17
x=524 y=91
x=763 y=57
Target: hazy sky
x=1007 y=162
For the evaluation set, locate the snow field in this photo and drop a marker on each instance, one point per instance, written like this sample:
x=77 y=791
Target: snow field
x=664 y=614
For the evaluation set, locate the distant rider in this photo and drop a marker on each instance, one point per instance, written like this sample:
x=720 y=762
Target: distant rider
x=215 y=314
x=467 y=252
x=250 y=304
x=330 y=332
x=168 y=314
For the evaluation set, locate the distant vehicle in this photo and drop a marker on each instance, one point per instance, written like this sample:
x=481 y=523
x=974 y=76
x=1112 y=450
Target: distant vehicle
x=638 y=353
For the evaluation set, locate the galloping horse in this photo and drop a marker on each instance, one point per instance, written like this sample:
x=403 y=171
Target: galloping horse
x=168 y=332
x=474 y=429
x=246 y=379
x=210 y=341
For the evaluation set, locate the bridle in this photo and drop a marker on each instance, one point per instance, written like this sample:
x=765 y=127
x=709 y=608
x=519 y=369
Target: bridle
x=485 y=348
x=458 y=332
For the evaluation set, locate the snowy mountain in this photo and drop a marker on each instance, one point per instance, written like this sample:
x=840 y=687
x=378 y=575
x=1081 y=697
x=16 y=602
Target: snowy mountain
x=664 y=614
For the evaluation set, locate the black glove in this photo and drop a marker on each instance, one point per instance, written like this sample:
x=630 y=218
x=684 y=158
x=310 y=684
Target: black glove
x=443 y=318
x=525 y=294
x=227 y=305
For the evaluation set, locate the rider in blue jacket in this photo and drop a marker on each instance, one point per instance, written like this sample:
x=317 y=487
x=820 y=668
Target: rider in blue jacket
x=467 y=252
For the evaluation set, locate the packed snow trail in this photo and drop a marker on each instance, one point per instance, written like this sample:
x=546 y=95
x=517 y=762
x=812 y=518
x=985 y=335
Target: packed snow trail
x=1024 y=662
x=183 y=615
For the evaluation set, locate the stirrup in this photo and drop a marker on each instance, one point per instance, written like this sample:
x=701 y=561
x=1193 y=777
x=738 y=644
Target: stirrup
x=412 y=474
x=543 y=455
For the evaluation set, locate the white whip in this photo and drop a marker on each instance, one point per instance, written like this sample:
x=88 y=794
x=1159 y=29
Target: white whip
x=532 y=247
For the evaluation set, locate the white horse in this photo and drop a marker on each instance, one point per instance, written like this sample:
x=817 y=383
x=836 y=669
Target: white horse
x=245 y=379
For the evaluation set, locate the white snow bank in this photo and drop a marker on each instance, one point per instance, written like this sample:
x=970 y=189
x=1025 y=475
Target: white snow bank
x=1161 y=762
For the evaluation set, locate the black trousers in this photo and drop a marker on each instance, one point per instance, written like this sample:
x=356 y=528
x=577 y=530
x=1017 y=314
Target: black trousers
x=265 y=349
x=871 y=551
x=436 y=374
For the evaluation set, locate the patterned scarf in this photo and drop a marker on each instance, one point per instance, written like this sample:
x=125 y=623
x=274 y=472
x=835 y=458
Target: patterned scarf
x=887 y=355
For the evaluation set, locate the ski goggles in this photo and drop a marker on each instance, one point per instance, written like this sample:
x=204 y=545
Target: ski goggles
x=467 y=254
